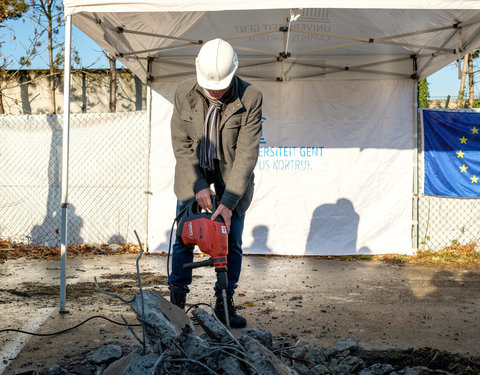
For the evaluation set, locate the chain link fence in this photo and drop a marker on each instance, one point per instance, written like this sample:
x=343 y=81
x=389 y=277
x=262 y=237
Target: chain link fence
x=443 y=222
x=107 y=179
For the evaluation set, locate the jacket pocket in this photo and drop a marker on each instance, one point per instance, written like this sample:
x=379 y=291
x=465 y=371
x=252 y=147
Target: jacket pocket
x=192 y=126
x=231 y=130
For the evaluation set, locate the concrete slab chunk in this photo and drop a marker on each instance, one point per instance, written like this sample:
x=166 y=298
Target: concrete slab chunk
x=349 y=343
x=377 y=369
x=105 y=354
x=164 y=322
x=195 y=347
x=119 y=367
x=213 y=328
x=230 y=366
x=316 y=355
x=264 y=337
x=263 y=359
x=141 y=364
x=57 y=370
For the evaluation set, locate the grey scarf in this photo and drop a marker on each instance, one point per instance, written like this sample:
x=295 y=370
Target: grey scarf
x=211 y=134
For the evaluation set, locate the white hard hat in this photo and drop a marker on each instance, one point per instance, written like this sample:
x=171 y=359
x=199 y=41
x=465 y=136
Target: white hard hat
x=216 y=64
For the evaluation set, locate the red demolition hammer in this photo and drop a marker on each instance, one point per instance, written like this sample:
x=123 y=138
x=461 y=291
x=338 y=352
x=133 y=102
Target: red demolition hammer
x=195 y=227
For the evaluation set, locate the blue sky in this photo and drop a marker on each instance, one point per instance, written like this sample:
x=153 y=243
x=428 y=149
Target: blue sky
x=441 y=84
x=445 y=82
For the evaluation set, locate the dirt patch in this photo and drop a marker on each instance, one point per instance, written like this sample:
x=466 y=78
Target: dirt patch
x=88 y=289
x=13 y=250
x=429 y=358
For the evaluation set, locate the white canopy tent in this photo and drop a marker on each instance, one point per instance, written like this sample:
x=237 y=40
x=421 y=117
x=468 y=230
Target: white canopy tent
x=368 y=37
x=339 y=84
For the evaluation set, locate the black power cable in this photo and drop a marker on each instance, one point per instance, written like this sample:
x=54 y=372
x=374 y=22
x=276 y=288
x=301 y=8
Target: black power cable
x=170 y=239
x=68 y=329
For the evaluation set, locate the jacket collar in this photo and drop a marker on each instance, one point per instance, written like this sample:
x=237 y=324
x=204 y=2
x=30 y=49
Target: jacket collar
x=233 y=104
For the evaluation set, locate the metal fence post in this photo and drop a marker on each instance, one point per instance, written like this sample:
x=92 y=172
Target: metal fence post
x=65 y=161
x=415 y=168
x=149 y=145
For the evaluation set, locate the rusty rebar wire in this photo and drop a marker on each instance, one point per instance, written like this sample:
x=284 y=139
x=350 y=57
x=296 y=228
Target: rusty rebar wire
x=112 y=294
x=242 y=360
x=181 y=349
x=288 y=347
x=159 y=360
x=281 y=349
x=192 y=361
x=139 y=278
x=132 y=331
x=226 y=329
x=225 y=348
x=221 y=346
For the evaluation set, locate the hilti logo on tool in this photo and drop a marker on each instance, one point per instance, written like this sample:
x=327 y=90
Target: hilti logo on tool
x=190 y=229
x=224 y=229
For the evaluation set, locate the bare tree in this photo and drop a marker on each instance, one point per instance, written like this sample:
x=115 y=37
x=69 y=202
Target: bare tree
x=112 y=83
x=471 y=83
x=48 y=16
x=9 y=9
x=9 y=78
x=461 y=92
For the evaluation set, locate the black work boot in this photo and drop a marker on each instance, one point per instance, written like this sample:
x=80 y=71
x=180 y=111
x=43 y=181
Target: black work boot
x=236 y=321
x=178 y=296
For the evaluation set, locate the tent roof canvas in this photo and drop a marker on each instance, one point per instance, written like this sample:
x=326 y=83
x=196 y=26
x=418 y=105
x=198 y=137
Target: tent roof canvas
x=285 y=40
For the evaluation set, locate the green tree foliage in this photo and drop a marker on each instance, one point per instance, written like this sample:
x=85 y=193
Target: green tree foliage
x=12 y=9
x=423 y=94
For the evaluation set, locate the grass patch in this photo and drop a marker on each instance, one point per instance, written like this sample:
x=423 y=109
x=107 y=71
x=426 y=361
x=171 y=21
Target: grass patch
x=454 y=255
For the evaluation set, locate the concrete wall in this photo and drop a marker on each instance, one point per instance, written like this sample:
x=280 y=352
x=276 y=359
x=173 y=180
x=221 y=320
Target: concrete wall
x=30 y=94
x=440 y=103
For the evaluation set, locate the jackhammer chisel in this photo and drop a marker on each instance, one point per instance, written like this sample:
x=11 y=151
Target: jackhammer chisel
x=197 y=228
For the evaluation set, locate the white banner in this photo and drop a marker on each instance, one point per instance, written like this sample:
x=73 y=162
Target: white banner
x=334 y=174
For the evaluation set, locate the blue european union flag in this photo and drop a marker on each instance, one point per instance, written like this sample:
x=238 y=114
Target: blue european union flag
x=452 y=154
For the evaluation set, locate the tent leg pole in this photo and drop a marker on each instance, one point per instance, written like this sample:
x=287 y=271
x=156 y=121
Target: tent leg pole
x=149 y=142
x=415 y=206
x=63 y=257
x=65 y=161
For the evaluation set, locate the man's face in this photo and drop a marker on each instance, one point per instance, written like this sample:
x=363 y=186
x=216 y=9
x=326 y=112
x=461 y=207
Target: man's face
x=217 y=94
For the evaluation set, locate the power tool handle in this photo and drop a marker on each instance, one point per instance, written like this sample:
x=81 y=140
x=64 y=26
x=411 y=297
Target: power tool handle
x=208 y=262
x=194 y=204
x=214 y=203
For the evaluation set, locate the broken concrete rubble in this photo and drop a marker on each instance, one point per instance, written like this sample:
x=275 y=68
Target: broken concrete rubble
x=177 y=348
x=163 y=321
x=348 y=343
x=105 y=354
x=212 y=327
x=264 y=337
x=120 y=366
x=57 y=370
x=172 y=345
x=264 y=360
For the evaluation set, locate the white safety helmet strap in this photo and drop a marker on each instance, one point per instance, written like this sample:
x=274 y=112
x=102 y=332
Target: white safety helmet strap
x=216 y=64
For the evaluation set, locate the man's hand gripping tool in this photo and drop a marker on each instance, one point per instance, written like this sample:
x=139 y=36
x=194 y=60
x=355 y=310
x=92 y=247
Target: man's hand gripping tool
x=197 y=228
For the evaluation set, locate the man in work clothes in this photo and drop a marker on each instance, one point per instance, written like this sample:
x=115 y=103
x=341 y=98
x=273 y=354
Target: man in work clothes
x=216 y=127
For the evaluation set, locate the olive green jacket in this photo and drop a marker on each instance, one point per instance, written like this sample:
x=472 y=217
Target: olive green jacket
x=240 y=130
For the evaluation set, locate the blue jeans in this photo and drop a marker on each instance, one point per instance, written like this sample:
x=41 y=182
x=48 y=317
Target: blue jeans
x=182 y=254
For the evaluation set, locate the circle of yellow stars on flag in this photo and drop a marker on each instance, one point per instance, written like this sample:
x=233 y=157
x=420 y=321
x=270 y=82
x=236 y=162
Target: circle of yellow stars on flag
x=460 y=153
